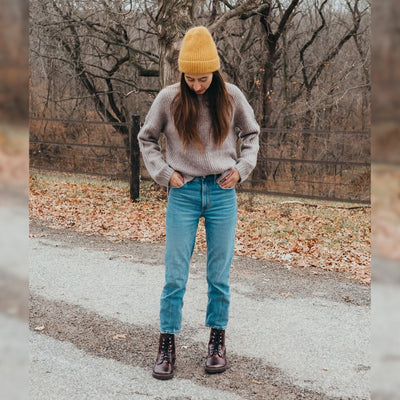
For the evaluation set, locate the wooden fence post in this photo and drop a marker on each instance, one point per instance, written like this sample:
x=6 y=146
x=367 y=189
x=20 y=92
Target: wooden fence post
x=134 y=179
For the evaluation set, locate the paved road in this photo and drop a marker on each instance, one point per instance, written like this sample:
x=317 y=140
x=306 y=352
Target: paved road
x=94 y=318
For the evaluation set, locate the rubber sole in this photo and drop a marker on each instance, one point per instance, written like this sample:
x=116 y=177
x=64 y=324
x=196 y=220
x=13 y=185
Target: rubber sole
x=163 y=377
x=211 y=370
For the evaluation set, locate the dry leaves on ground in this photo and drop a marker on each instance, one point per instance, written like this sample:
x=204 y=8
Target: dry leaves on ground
x=297 y=234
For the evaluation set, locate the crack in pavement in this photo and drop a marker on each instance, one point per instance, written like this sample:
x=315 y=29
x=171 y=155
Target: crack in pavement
x=137 y=345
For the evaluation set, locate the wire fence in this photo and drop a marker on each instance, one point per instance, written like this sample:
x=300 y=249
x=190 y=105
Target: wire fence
x=80 y=146
x=325 y=165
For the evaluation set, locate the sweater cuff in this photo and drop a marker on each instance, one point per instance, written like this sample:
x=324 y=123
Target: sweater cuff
x=164 y=176
x=244 y=170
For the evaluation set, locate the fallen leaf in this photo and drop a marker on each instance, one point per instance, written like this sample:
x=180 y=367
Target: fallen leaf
x=39 y=328
x=120 y=336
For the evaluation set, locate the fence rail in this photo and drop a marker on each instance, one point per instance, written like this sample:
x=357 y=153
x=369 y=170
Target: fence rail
x=324 y=162
x=335 y=165
x=100 y=146
x=77 y=121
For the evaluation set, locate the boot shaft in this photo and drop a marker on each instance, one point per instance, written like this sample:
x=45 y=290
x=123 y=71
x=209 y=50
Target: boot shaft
x=216 y=359
x=164 y=367
x=167 y=343
x=217 y=337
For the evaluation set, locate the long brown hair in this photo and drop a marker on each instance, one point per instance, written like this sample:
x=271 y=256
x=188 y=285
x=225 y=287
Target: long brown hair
x=185 y=112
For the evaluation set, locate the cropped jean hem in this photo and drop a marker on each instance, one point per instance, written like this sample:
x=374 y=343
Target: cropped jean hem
x=216 y=327
x=170 y=331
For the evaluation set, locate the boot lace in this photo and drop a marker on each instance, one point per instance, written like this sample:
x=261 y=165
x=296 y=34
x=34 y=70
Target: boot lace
x=166 y=348
x=216 y=343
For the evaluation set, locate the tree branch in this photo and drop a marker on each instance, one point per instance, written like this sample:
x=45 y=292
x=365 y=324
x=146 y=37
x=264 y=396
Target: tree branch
x=285 y=18
x=343 y=40
x=233 y=13
x=310 y=42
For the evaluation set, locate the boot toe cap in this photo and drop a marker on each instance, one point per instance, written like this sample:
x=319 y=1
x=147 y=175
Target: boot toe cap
x=215 y=364
x=163 y=370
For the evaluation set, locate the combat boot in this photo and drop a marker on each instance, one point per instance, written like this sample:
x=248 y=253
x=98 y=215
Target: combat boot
x=164 y=367
x=216 y=359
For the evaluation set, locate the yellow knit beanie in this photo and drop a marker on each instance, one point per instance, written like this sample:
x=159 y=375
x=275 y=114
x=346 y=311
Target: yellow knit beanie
x=198 y=53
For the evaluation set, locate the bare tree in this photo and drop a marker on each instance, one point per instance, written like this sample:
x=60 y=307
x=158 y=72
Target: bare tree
x=103 y=53
x=100 y=51
x=294 y=59
x=172 y=20
x=311 y=75
x=272 y=40
x=115 y=48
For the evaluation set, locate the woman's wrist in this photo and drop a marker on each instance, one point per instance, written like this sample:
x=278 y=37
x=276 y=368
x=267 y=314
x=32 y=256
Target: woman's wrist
x=176 y=180
x=231 y=179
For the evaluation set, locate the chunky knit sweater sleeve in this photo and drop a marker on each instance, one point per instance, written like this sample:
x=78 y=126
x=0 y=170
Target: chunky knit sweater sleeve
x=248 y=131
x=149 y=137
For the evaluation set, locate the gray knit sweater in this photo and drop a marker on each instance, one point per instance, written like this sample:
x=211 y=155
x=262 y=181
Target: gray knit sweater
x=191 y=162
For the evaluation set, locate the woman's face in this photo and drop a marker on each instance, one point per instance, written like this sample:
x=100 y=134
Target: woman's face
x=199 y=83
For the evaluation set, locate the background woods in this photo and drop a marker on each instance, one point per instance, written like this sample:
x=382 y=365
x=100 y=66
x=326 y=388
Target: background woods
x=303 y=65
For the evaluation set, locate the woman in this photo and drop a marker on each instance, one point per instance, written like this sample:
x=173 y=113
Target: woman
x=202 y=118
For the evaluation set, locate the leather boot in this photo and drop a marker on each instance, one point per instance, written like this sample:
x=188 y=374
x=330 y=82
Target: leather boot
x=216 y=360
x=164 y=367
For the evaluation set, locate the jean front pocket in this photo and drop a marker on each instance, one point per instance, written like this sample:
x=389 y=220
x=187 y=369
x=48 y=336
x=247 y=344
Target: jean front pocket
x=177 y=187
x=232 y=188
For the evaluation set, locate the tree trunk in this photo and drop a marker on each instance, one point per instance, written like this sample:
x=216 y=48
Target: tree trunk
x=308 y=115
x=287 y=120
x=134 y=179
x=168 y=64
x=272 y=55
x=267 y=90
x=173 y=19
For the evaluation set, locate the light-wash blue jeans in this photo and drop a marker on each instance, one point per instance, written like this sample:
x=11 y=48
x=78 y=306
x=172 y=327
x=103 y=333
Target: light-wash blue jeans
x=201 y=197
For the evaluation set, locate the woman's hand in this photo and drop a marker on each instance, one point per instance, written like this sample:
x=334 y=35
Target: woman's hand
x=231 y=179
x=176 y=180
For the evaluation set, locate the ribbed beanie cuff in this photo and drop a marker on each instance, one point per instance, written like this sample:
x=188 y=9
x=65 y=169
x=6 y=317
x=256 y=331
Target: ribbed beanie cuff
x=199 y=67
